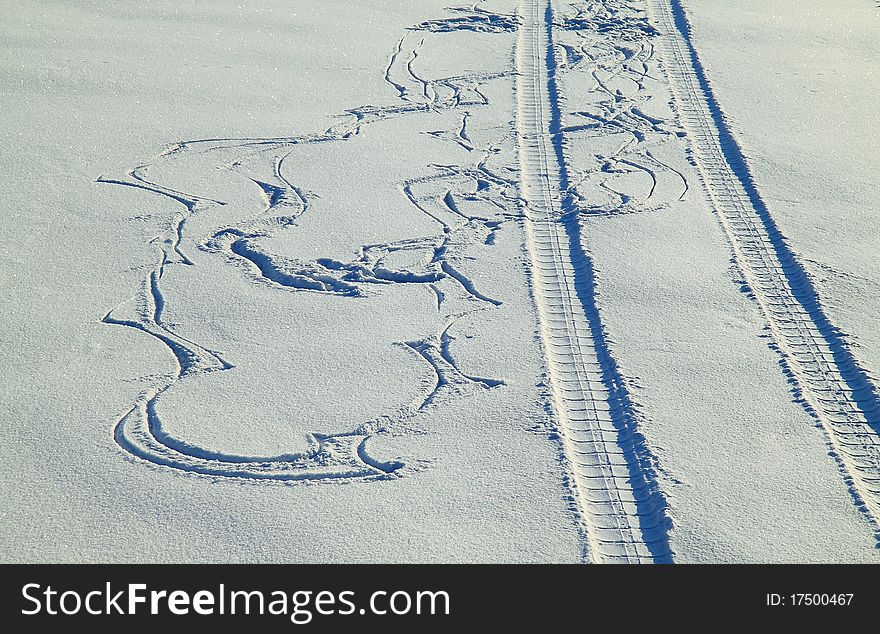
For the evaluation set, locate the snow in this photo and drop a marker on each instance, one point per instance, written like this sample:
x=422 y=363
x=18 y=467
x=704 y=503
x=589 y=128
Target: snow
x=353 y=358
x=803 y=115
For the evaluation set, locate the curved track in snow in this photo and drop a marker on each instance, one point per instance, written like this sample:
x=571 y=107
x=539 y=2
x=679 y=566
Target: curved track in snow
x=467 y=204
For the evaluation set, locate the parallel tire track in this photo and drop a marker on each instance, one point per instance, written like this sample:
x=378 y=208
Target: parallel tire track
x=836 y=390
x=614 y=485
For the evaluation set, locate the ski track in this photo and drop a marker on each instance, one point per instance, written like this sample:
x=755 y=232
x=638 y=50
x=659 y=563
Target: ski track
x=614 y=484
x=836 y=390
x=444 y=196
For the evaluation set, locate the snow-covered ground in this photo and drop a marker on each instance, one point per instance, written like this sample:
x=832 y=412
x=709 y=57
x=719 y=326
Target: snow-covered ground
x=394 y=281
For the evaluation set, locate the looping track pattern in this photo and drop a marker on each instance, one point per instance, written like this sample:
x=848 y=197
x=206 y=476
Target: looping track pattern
x=836 y=390
x=467 y=204
x=613 y=479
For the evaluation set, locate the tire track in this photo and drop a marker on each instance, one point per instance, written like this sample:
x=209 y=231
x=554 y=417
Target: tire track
x=821 y=368
x=614 y=482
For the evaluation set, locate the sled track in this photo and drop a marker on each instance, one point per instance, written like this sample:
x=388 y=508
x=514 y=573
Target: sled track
x=836 y=391
x=614 y=484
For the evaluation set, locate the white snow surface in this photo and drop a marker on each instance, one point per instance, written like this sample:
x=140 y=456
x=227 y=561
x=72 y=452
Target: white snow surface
x=336 y=282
